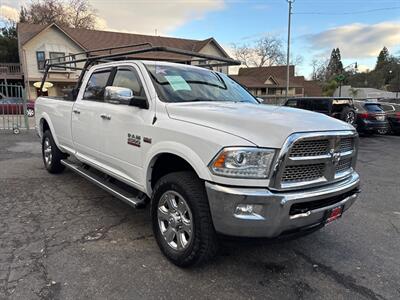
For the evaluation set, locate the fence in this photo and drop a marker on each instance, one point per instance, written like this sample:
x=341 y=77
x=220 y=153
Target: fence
x=13 y=108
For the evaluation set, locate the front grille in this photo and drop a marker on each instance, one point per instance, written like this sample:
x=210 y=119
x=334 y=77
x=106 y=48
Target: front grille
x=310 y=148
x=346 y=144
x=314 y=159
x=303 y=173
x=343 y=165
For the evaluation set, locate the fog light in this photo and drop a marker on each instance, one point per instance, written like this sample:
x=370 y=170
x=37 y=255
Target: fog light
x=248 y=211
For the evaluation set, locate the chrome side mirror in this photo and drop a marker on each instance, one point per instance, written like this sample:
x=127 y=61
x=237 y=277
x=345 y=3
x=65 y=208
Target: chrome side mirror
x=118 y=95
x=121 y=95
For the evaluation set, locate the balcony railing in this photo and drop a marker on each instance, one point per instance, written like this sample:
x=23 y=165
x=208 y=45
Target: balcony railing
x=10 y=70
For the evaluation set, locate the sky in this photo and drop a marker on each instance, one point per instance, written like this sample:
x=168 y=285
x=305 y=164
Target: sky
x=360 y=28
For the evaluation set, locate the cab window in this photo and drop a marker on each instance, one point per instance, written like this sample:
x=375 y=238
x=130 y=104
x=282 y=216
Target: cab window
x=128 y=78
x=95 y=87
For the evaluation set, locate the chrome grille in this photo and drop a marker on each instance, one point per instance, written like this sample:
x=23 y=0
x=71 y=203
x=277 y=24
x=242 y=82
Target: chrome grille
x=346 y=144
x=310 y=148
x=303 y=173
x=343 y=165
x=311 y=159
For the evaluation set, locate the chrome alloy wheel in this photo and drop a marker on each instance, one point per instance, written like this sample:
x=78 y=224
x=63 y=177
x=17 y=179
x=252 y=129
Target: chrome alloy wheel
x=47 y=153
x=351 y=117
x=30 y=112
x=175 y=220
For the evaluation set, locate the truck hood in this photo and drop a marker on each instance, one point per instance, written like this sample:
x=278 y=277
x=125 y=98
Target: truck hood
x=263 y=125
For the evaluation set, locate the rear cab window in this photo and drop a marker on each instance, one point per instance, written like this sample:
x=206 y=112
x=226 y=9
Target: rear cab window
x=96 y=85
x=373 y=107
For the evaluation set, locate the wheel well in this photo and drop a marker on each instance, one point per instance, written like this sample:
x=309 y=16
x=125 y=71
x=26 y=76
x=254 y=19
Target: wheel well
x=45 y=126
x=167 y=163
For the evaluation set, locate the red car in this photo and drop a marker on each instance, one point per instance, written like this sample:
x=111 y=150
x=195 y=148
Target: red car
x=14 y=106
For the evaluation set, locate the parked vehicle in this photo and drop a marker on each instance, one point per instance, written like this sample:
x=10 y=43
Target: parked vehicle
x=339 y=108
x=371 y=118
x=15 y=106
x=198 y=148
x=393 y=116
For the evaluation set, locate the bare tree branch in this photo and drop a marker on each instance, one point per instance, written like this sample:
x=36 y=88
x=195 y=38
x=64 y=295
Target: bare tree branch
x=71 y=13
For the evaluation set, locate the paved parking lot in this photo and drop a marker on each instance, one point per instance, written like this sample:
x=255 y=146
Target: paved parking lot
x=63 y=238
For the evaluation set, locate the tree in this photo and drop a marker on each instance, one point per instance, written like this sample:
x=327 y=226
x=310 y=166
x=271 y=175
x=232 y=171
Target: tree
x=267 y=51
x=329 y=88
x=318 y=69
x=383 y=59
x=335 y=65
x=9 y=43
x=71 y=13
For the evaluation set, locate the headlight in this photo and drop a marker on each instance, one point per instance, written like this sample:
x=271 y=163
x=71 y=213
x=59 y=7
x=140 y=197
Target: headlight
x=243 y=162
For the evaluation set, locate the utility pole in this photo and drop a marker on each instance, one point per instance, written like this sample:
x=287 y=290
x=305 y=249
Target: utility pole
x=290 y=2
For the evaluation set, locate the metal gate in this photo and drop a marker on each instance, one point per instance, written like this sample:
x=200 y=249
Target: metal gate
x=13 y=107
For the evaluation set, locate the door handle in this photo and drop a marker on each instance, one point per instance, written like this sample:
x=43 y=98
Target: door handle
x=105 y=117
x=77 y=111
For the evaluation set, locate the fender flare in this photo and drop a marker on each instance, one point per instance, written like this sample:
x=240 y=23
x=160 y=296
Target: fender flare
x=46 y=118
x=179 y=150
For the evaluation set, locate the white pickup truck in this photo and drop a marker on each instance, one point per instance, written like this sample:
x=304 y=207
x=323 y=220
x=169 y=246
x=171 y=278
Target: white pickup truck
x=206 y=156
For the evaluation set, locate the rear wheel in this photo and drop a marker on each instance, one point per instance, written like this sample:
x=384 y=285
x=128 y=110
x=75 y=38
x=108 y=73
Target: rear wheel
x=348 y=115
x=181 y=219
x=52 y=156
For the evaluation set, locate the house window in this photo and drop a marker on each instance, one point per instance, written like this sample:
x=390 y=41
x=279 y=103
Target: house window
x=40 y=58
x=72 y=57
x=57 y=57
x=271 y=91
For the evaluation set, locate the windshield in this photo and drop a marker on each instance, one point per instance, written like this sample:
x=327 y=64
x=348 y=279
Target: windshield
x=185 y=84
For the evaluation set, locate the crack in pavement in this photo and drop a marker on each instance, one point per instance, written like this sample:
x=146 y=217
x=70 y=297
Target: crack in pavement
x=344 y=280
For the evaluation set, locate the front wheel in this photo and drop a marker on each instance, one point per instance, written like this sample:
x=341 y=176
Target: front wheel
x=349 y=115
x=181 y=218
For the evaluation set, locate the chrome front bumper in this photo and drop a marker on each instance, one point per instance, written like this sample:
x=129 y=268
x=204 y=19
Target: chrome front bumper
x=273 y=216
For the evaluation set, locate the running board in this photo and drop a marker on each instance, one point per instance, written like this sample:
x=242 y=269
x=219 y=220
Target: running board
x=136 y=201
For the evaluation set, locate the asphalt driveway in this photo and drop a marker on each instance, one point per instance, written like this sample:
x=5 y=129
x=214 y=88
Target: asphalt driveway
x=61 y=237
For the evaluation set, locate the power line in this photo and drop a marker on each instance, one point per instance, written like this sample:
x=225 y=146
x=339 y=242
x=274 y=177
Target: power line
x=347 y=13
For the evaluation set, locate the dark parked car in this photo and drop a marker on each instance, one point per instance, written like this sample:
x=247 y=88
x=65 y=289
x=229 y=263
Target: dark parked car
x=336 y=107
x=14 y=106
x=371 y=118
x=393 y=116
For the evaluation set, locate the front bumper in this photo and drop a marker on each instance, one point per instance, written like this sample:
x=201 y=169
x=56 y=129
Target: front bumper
x=274 y=215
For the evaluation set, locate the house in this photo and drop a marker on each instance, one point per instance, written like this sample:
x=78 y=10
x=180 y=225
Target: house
x=363 y=93
x=39 y=42
x=269 y=83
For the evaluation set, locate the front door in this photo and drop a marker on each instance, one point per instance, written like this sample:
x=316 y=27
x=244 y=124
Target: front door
x=87 y=120
x=126 y=133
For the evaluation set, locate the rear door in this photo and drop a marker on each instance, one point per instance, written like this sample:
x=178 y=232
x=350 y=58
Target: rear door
x=322 y=106
x=87 y=118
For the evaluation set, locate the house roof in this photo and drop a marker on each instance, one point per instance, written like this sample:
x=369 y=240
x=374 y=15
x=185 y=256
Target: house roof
x=94 y=39
x=257 y=77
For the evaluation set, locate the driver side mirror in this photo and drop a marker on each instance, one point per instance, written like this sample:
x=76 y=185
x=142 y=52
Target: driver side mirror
x=121 y=95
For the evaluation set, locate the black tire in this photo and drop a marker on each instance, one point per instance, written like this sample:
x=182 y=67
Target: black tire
x=203 y=245
x=348 y=115
x=53 y=164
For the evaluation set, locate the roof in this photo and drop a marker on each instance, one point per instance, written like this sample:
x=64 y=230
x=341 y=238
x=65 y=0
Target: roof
x=257 y=77
x=95 y=39
x=276 y=71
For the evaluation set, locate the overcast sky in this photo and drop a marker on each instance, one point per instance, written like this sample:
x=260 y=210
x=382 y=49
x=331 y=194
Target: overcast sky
x=360 y=28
